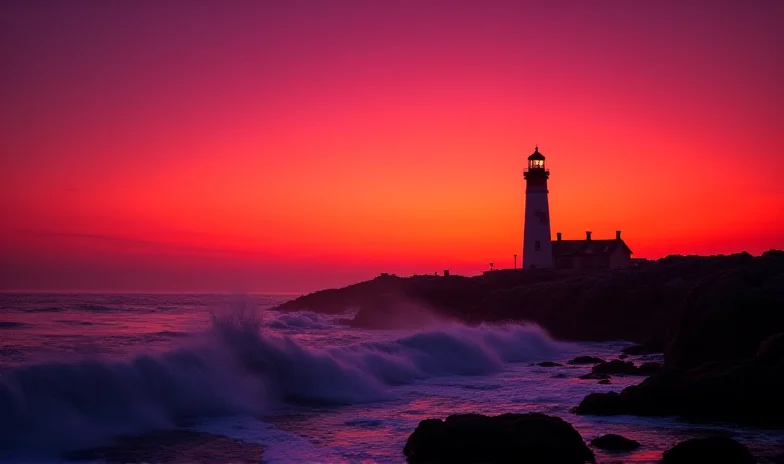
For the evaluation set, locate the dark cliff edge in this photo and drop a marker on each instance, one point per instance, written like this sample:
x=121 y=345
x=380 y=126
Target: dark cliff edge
x=649 y=304
x=724 y=357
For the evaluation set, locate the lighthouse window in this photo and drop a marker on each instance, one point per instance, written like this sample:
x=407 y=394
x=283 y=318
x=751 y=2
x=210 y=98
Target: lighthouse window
x=537 y=245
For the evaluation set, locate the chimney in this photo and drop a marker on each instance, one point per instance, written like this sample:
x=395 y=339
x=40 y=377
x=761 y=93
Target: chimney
x=617 y=235
x=588 y=235
x=558 y=235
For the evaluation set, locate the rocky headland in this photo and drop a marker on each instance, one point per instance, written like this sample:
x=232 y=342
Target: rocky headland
x=644 y=304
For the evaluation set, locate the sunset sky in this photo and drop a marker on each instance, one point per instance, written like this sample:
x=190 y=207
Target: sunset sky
x=294 y=145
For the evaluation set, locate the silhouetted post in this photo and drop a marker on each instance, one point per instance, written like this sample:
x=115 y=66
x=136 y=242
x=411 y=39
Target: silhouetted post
x=491 y=266
x=515 y=261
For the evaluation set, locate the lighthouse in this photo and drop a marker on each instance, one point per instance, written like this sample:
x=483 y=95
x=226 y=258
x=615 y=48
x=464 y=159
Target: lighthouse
x=537 y=247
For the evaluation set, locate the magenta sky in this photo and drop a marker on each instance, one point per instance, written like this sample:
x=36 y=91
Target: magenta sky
x=287 y=146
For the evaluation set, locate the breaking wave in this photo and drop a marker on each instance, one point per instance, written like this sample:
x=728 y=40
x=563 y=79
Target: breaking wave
x=298 y=320
x=232 y=369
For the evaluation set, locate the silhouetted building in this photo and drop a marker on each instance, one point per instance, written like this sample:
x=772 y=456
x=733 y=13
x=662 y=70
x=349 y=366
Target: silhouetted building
x=537 y=250
x=591 y=254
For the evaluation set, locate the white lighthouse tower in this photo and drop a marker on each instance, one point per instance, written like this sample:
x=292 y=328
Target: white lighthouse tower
x=537 y=247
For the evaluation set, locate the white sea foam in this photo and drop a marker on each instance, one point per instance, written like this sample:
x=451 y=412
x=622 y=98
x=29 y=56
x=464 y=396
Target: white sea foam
x=235 y=368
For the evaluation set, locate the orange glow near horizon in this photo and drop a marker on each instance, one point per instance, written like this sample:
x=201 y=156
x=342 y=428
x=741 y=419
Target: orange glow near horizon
x=289 y=148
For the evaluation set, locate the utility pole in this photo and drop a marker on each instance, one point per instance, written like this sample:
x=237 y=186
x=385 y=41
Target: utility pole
x=515 y=261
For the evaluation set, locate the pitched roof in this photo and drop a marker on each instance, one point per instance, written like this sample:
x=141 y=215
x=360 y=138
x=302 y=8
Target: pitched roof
x=587 y=247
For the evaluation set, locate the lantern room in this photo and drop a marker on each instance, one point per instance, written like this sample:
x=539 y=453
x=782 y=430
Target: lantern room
x=536 y=160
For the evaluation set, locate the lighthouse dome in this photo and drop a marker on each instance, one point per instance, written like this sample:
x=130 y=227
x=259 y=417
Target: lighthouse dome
x=536 y=155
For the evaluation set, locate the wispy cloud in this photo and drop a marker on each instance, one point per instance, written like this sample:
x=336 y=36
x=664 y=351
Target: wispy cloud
x=141 y=242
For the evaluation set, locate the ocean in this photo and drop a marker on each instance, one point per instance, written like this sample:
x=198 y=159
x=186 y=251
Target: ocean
x=80 y=371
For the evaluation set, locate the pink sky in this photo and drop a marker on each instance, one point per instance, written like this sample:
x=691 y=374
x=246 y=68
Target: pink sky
x=289 y=146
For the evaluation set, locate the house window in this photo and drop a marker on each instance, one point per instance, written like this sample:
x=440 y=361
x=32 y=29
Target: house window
x=537 y=245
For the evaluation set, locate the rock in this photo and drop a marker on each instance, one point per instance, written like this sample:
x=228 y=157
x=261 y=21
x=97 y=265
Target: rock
x=497 y=439
x=595 y=376
x=726 y=317
x=616 y=366
x=638 y=350
x=549 y=364
x=715 y=450
x=771 y=348
x=585 y=360
x=604 y=382
x=746 y=391
x=613 y=442
x=648 y=368
x=601 y=404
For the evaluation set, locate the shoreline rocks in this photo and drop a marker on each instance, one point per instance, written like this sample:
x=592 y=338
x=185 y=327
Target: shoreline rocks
x=747 y=391
x=725 y=357
x=613 y=442
x=644 y=349
x=549 y=364
x=585 y=360
x=531 y=437
x=619 y=367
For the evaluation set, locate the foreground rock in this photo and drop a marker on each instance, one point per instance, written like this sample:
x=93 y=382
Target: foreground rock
x=497 y=439
x=613 y=442
x=715 y=450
